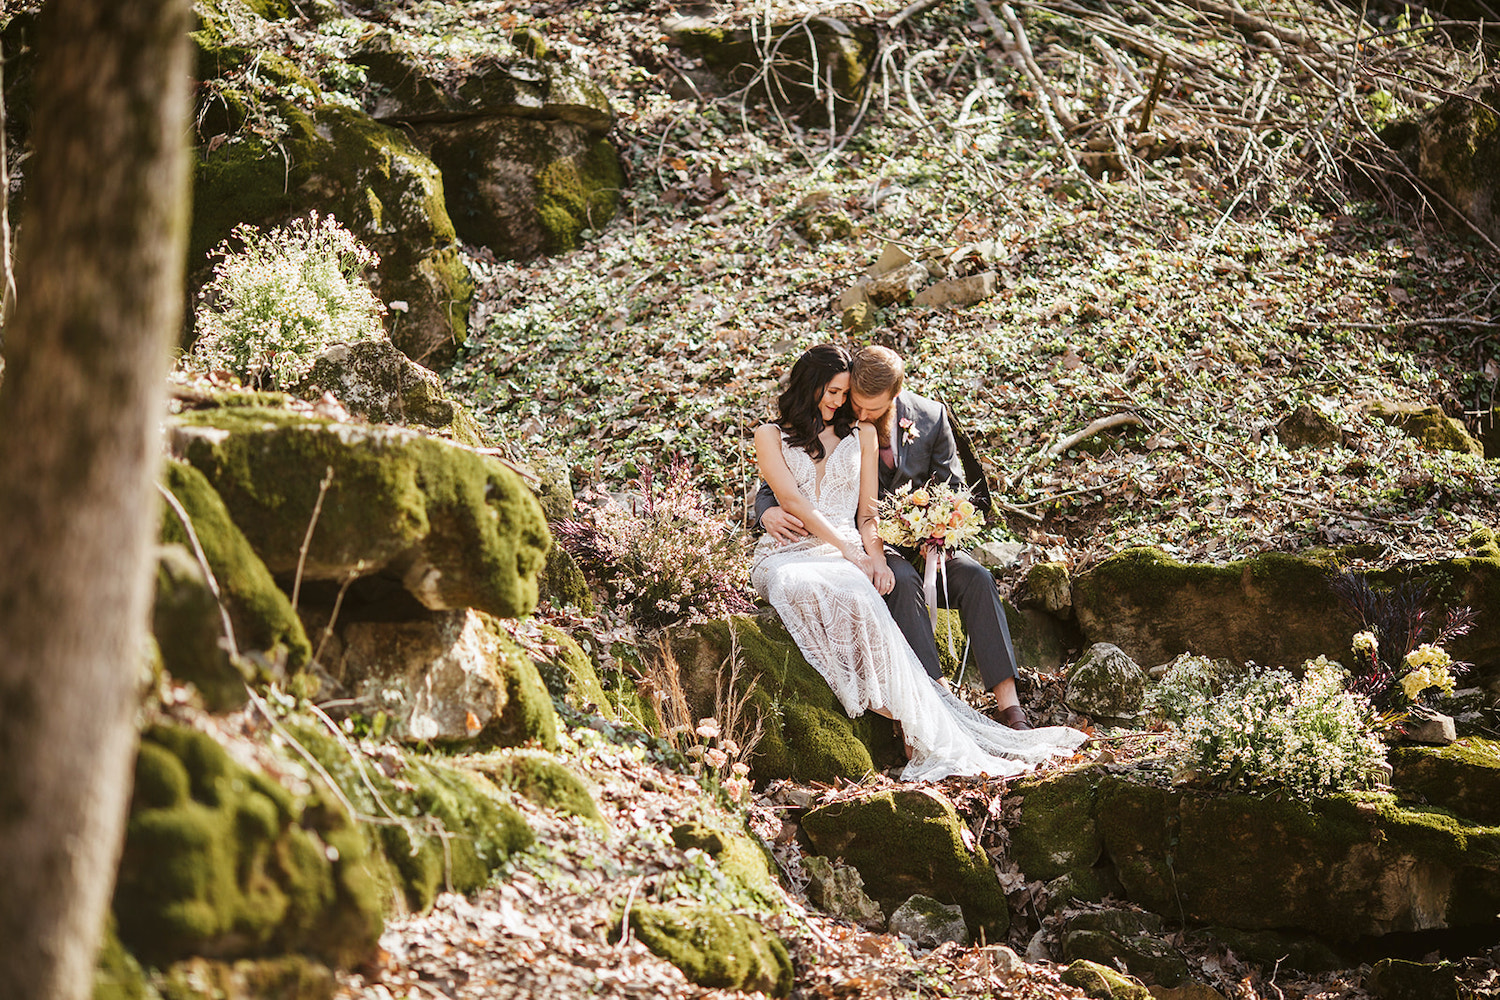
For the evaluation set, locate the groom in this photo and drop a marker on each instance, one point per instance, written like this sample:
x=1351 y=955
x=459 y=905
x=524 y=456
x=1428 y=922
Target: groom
x=917 y=445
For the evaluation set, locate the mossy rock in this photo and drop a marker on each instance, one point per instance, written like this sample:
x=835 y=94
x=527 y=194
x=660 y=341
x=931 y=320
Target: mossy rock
x=189 y=629
x=569 y=673
x=374 y=380
x=1049 y=587
x=1459 y=143
x=1429 y=426
x=458 y=528
x=260 y=612
x=454 y=829
x=1083 y=885
x=222 y=860
x=1396 y=979
x=714 y=949
x=739 y=854
x=1322 y=866
x=286 y=977
x=910 y=841
x=1273 y=609
x=563 y=584
x=843 y=53
x=1145 y=957
x=117 y=974
x=1057 y=833
x=370 y=177
x=1274 y=949
x=1039 y=640
x=1106 y=683
x=542 y=778
x=524 y=188
x=1463 y=777
x=446 y=678
x=807 y=737
x=1103 y=983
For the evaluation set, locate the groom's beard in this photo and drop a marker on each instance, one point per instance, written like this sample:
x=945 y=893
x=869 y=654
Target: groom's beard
x=883 y=424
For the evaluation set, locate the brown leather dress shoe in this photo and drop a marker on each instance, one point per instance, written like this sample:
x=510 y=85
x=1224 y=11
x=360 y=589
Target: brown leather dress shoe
x=1014 y=717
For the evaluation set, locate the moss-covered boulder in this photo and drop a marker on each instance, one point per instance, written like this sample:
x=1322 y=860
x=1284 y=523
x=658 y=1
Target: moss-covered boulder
x=839 y=52
x=1454 y=147
x=738 y=855
x=1102 y=982
x=285 y=977
x=374 y=380
x=341 y=162
x=522 y=187
x=1049 y=587
x=1273 y=609
x=563 y=584
x=222 y=859
x=1039 y=640
x=443 y=827
x=1428 y=425
x=910 y=841
x=1274 y=949
x=1397 y=979
x=1463 y=777
x=569 y=673
x=1123 y=938
x=1106 y=683
x=1056 y=832
x=715 y=949
x=839 y=891
x=189 y=629
x=1341 y=867
x=459 y=529
x=259 y=612
x=807 y=736
x=446 y=677
x=1306 y=426
x=542 y=778
x=929 y=923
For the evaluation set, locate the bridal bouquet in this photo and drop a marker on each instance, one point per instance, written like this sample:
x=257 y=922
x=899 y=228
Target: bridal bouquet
x=936 y=521
x=933 y=519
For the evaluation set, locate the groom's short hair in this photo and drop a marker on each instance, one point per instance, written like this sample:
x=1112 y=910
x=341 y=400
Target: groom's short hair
x=877 y=370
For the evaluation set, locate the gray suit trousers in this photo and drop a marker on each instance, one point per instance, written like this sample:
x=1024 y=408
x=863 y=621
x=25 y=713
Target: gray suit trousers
x=971 y=589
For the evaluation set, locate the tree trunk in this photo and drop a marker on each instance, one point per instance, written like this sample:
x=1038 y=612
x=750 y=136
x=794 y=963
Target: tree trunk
x=99 y=269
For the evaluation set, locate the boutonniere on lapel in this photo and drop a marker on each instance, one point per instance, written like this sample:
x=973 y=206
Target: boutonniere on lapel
x=908 y=431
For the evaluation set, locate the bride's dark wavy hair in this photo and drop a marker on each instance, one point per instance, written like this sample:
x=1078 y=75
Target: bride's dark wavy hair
x=798 y=403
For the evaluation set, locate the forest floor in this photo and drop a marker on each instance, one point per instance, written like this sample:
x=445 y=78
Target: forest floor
x=1240 y=272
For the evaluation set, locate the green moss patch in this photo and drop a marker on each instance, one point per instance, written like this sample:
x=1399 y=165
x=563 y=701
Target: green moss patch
x=542 y=778
x=1463 y=777
x=1057 y=833
x=459 y=528
x=260 y=612
x=222 y=860
x=907 y=842
x=440 y=829
x=568 y=671
x=714 y=949
x=1103 y=983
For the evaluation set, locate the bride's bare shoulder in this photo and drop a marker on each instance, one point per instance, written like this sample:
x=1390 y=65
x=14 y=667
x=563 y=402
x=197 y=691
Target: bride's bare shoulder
x=768 y=432
x=866 y=429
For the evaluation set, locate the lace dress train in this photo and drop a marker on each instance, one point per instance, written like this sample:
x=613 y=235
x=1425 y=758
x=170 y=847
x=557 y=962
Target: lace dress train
x=843 y=627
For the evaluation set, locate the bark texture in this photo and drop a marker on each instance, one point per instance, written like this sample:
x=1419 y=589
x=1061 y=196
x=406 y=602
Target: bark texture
x=99 y=273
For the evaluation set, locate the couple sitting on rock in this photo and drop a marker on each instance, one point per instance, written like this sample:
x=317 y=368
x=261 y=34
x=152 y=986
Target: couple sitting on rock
x=845 y=435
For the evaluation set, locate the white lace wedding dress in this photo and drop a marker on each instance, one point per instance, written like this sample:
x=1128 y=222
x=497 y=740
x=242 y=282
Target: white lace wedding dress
x=843 y=627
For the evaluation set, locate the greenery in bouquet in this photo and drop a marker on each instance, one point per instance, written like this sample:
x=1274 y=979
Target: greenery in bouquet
x=279 y=298
x=1400 y=657
x=665 y=552
x=928 y=517
x=1263 y=730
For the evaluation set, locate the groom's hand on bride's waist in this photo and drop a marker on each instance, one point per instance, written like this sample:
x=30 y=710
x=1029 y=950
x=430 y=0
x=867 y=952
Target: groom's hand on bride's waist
x=781 y=525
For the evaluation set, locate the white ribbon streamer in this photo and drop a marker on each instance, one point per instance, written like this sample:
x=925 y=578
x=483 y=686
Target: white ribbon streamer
x=937 y=562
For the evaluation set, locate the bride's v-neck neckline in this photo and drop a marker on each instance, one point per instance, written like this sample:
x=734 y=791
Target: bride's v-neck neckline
x=820 y=469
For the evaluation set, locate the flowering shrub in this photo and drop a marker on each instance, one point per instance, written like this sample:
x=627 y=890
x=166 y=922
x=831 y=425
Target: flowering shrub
x=1190 y=682
x=1394 y=664
x=669 y=556
x=1264 y=730
x=283 y=297
x=932 y=516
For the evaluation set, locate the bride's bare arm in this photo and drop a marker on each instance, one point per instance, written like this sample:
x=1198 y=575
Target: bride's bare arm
x=773 y=469
x=869 y=488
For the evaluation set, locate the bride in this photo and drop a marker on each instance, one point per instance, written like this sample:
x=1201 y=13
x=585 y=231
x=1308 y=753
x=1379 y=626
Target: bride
x=827 y=586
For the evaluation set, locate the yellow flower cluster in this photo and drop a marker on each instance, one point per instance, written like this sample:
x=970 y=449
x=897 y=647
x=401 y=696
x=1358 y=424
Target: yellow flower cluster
x=1429 y=669
x=932 y=516
x=1365 y=642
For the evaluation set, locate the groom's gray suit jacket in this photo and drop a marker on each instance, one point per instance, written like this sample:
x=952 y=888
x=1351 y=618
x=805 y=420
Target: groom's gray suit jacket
x=928 y=449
